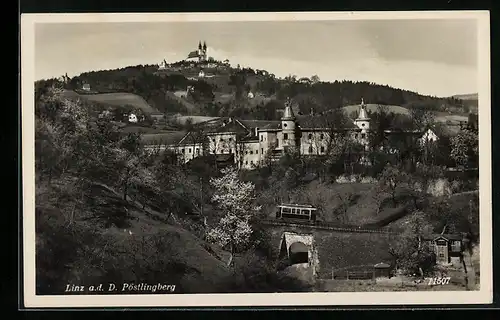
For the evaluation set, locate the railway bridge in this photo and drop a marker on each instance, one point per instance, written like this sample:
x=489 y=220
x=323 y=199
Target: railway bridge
x=323 y=247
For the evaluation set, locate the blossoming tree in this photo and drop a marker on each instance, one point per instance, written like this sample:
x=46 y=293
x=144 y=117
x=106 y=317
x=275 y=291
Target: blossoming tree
x=235 y=199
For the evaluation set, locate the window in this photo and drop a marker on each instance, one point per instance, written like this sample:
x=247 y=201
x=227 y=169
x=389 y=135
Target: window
x=213 y=140
x=293 y=210
x=363 y=135
x=246 y=151
x=257 y=151
x=441 y=255
x=197 y=151
x=456 y=246
x=322 y=149
x=183 y=151
x=189 y=150
x=285 y=210
x=262 y=150
x=251 y=162
x=251 y=151
x=221 y=139
x=285 y=125
x=246 y=162
x=285 y=136
x=310 y=136
x=214 y=151
x=305 y=212
x=362 y=124
x=322 y=136
x=310 y=149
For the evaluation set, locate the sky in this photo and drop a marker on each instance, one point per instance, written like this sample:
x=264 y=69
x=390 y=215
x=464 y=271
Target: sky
x=431 y=57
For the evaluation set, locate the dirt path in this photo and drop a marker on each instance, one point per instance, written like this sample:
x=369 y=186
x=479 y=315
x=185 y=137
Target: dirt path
x=470 y=272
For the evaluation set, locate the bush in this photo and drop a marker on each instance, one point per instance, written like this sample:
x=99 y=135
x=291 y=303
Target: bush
x=256 y=274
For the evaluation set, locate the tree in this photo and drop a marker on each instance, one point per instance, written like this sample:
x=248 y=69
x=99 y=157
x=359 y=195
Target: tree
x=421 y=116
x=315 y=79
x=235 y=199
x=465 y=148
x=409 y=250
x=391 y=180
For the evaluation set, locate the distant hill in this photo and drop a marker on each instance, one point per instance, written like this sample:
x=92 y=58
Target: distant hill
x=226 y=92
x=470 y=96
x=374 y=108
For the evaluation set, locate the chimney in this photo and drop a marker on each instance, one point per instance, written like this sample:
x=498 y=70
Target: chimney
x=256 y=131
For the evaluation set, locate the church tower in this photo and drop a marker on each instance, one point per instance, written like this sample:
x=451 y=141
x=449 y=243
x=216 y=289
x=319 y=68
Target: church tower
x=200 y=48
x=362 y=121
x=288 y=127
x=204 y=52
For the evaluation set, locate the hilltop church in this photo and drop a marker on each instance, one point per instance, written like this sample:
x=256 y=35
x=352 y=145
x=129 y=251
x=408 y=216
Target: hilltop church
x=248 y=143
x=199 y=55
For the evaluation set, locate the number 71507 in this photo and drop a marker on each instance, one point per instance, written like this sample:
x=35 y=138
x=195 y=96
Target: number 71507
x=439 y=281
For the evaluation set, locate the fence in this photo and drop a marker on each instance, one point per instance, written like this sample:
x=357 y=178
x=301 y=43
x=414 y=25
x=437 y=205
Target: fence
x=327 y=226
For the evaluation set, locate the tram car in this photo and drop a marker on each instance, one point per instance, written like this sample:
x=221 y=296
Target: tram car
x=296 y=212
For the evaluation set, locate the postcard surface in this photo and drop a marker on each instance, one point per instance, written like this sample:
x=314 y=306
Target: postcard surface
x=256 y=159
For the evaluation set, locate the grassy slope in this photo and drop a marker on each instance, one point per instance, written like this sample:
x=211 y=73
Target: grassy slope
x=204 y=270
x=373 y=108
x=452 y=118
x=116 y=99
x=368 y=205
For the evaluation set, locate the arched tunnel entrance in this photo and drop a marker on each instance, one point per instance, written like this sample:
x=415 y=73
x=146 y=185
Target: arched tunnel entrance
x=298 y=253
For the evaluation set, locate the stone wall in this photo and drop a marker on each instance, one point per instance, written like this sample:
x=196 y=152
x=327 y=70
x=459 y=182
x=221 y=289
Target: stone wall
x=337 y=249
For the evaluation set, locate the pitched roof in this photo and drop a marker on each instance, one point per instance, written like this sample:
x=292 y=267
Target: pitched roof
x=446 y=236
x=320 y=121
x=233 y=126
x=261 y=124
x=191 y=138
x=168 y=138
x=193 y=54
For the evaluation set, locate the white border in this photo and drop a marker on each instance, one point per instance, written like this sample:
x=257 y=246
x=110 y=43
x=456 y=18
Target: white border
x=483 y=296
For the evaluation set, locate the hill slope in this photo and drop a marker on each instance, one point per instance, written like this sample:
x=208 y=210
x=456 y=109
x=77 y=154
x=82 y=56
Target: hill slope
x=116 y=99
x=216 y=91
x=140 y=237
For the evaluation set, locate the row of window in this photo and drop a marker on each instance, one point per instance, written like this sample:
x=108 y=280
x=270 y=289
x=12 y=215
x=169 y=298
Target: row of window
x=295 y=211
x=190 y=150
x=322 y=149
x=222 y=140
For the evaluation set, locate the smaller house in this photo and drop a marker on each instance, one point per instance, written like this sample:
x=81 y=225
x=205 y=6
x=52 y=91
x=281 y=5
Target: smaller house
x=428 y=136
x=250 y=95
x=86 y=87
x=201 y=74
x=132 y=118
x=447 y=247
x=163 y=65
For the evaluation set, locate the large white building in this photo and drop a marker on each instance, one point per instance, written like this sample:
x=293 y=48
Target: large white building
x=248 y=143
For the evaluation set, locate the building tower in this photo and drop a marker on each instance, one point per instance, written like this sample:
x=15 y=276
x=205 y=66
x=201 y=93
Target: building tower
x=200 y=49
x=363 y=121
x=204 y=51
x=288 y=127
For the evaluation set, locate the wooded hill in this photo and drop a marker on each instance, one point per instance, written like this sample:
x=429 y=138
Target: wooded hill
x=224 y=91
